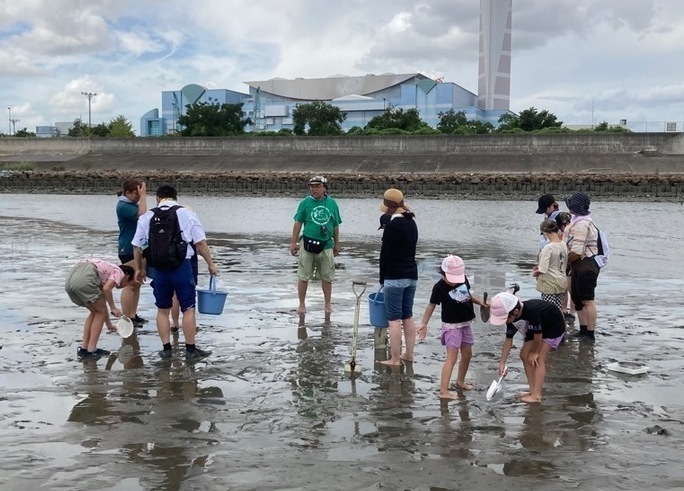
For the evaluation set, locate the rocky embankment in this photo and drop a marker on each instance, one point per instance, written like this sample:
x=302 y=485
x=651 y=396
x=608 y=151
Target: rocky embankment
x=607 y=186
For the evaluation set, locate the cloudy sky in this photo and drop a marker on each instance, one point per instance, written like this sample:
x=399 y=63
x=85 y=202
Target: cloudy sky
x=580 y=59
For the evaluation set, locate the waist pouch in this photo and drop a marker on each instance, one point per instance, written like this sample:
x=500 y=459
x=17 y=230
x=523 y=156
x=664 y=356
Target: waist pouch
x=314 y=246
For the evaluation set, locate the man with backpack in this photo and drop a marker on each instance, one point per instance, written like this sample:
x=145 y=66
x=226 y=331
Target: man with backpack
x=162 y=237
x=586 y=257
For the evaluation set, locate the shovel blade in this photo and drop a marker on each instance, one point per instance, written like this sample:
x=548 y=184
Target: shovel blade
x=484 y=311
x=494 y=388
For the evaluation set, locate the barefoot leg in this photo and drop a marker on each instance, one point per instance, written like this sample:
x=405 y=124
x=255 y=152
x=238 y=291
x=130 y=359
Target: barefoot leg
x=463 y=365
x=395 y=343
x=447 y=370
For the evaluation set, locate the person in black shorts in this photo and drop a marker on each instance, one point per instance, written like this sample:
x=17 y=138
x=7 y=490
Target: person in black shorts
x=543 y=326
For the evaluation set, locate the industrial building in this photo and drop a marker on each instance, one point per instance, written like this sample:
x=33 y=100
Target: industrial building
x=270 y=103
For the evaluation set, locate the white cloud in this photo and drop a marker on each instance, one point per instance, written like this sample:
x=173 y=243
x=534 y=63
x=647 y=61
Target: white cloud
x=621 y=54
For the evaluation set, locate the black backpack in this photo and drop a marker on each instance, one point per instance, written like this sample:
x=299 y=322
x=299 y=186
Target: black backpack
x=166 y=249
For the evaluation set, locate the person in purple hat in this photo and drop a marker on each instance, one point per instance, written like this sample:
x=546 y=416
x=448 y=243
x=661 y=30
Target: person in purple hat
x=581 y=237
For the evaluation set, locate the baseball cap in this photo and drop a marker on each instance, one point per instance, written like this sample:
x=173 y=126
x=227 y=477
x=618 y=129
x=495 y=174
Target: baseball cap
x=544 y=202
x=318 y=180
x=501 y=305
x=454 y=269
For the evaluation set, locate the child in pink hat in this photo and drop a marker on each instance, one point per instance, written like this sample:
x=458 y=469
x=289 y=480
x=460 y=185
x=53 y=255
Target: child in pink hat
x=453 y=293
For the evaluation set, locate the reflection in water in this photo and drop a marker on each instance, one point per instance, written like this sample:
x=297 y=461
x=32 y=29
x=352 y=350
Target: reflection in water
x=456 y=435
x=160 y=404
x=314 y=381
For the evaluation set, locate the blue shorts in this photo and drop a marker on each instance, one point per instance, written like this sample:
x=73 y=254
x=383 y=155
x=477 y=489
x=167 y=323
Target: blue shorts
x=399 y=296
x=179 y=281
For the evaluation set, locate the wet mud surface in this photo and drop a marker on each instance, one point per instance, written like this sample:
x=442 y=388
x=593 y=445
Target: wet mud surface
x=272 y=408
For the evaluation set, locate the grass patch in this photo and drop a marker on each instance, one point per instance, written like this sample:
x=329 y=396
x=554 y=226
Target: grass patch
x=17 y=166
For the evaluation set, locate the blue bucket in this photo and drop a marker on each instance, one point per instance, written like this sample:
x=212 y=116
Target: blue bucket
x=376 y=306
x=211 y=301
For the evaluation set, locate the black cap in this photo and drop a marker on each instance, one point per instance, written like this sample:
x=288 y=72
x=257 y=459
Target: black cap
x=544 y=202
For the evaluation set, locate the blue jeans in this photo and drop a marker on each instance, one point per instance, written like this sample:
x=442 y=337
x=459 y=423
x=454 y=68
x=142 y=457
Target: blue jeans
x=399 y=296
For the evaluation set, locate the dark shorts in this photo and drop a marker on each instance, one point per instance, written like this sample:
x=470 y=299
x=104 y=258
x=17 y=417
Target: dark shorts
x=583 y=280
x=179 y=281
x=125 y=258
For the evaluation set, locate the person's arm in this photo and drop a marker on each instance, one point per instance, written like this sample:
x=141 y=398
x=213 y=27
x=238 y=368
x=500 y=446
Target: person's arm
x=477 y=301
x=536 y=347
x=109 y=297
x=577 y=242
x=422 y=329
x=294 y=242
x=138 y=265
x=505 y=351
x=203 y=250
x=142 y=203
x=544 y=261
x=336 y=238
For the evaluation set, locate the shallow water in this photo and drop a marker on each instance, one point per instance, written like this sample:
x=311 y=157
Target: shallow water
x=272 y=407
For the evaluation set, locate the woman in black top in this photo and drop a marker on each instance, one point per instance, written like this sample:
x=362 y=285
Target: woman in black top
x=399 y=274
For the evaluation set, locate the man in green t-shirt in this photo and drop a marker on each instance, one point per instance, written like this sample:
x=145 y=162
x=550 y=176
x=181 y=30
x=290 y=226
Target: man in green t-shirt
x=316 y=237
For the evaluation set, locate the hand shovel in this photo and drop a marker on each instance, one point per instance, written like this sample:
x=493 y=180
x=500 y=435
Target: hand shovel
x=495 y=388
x=484 y=311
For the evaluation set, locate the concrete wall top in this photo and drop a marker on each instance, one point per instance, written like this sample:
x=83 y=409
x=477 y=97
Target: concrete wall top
x=553 y=144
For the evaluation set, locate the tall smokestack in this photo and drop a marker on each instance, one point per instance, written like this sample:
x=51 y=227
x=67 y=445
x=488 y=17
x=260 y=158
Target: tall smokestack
x=494 y=70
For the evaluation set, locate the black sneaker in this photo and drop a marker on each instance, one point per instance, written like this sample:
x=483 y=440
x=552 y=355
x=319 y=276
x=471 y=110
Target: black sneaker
x=174 y=328
x=588 y=337
x=81 y=352
x=139 y=319
x=87 y=356
x=196 y=354
x=165 y=354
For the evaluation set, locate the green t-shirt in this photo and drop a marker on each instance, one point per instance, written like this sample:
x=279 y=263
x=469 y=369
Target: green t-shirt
x=320 y=218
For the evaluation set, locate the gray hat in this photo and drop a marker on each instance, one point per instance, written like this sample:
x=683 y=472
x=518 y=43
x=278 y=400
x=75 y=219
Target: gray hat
x=578 y=203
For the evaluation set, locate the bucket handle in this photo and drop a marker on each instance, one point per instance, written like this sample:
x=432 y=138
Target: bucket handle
x=212 y=284
x=375 y=298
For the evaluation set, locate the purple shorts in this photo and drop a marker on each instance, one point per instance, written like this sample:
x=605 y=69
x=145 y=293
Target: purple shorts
x=455 y=337
x=554 y=342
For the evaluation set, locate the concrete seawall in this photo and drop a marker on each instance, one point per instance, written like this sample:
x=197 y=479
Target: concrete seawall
x=638 y=152
x=612 y=166
x=615 y=187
